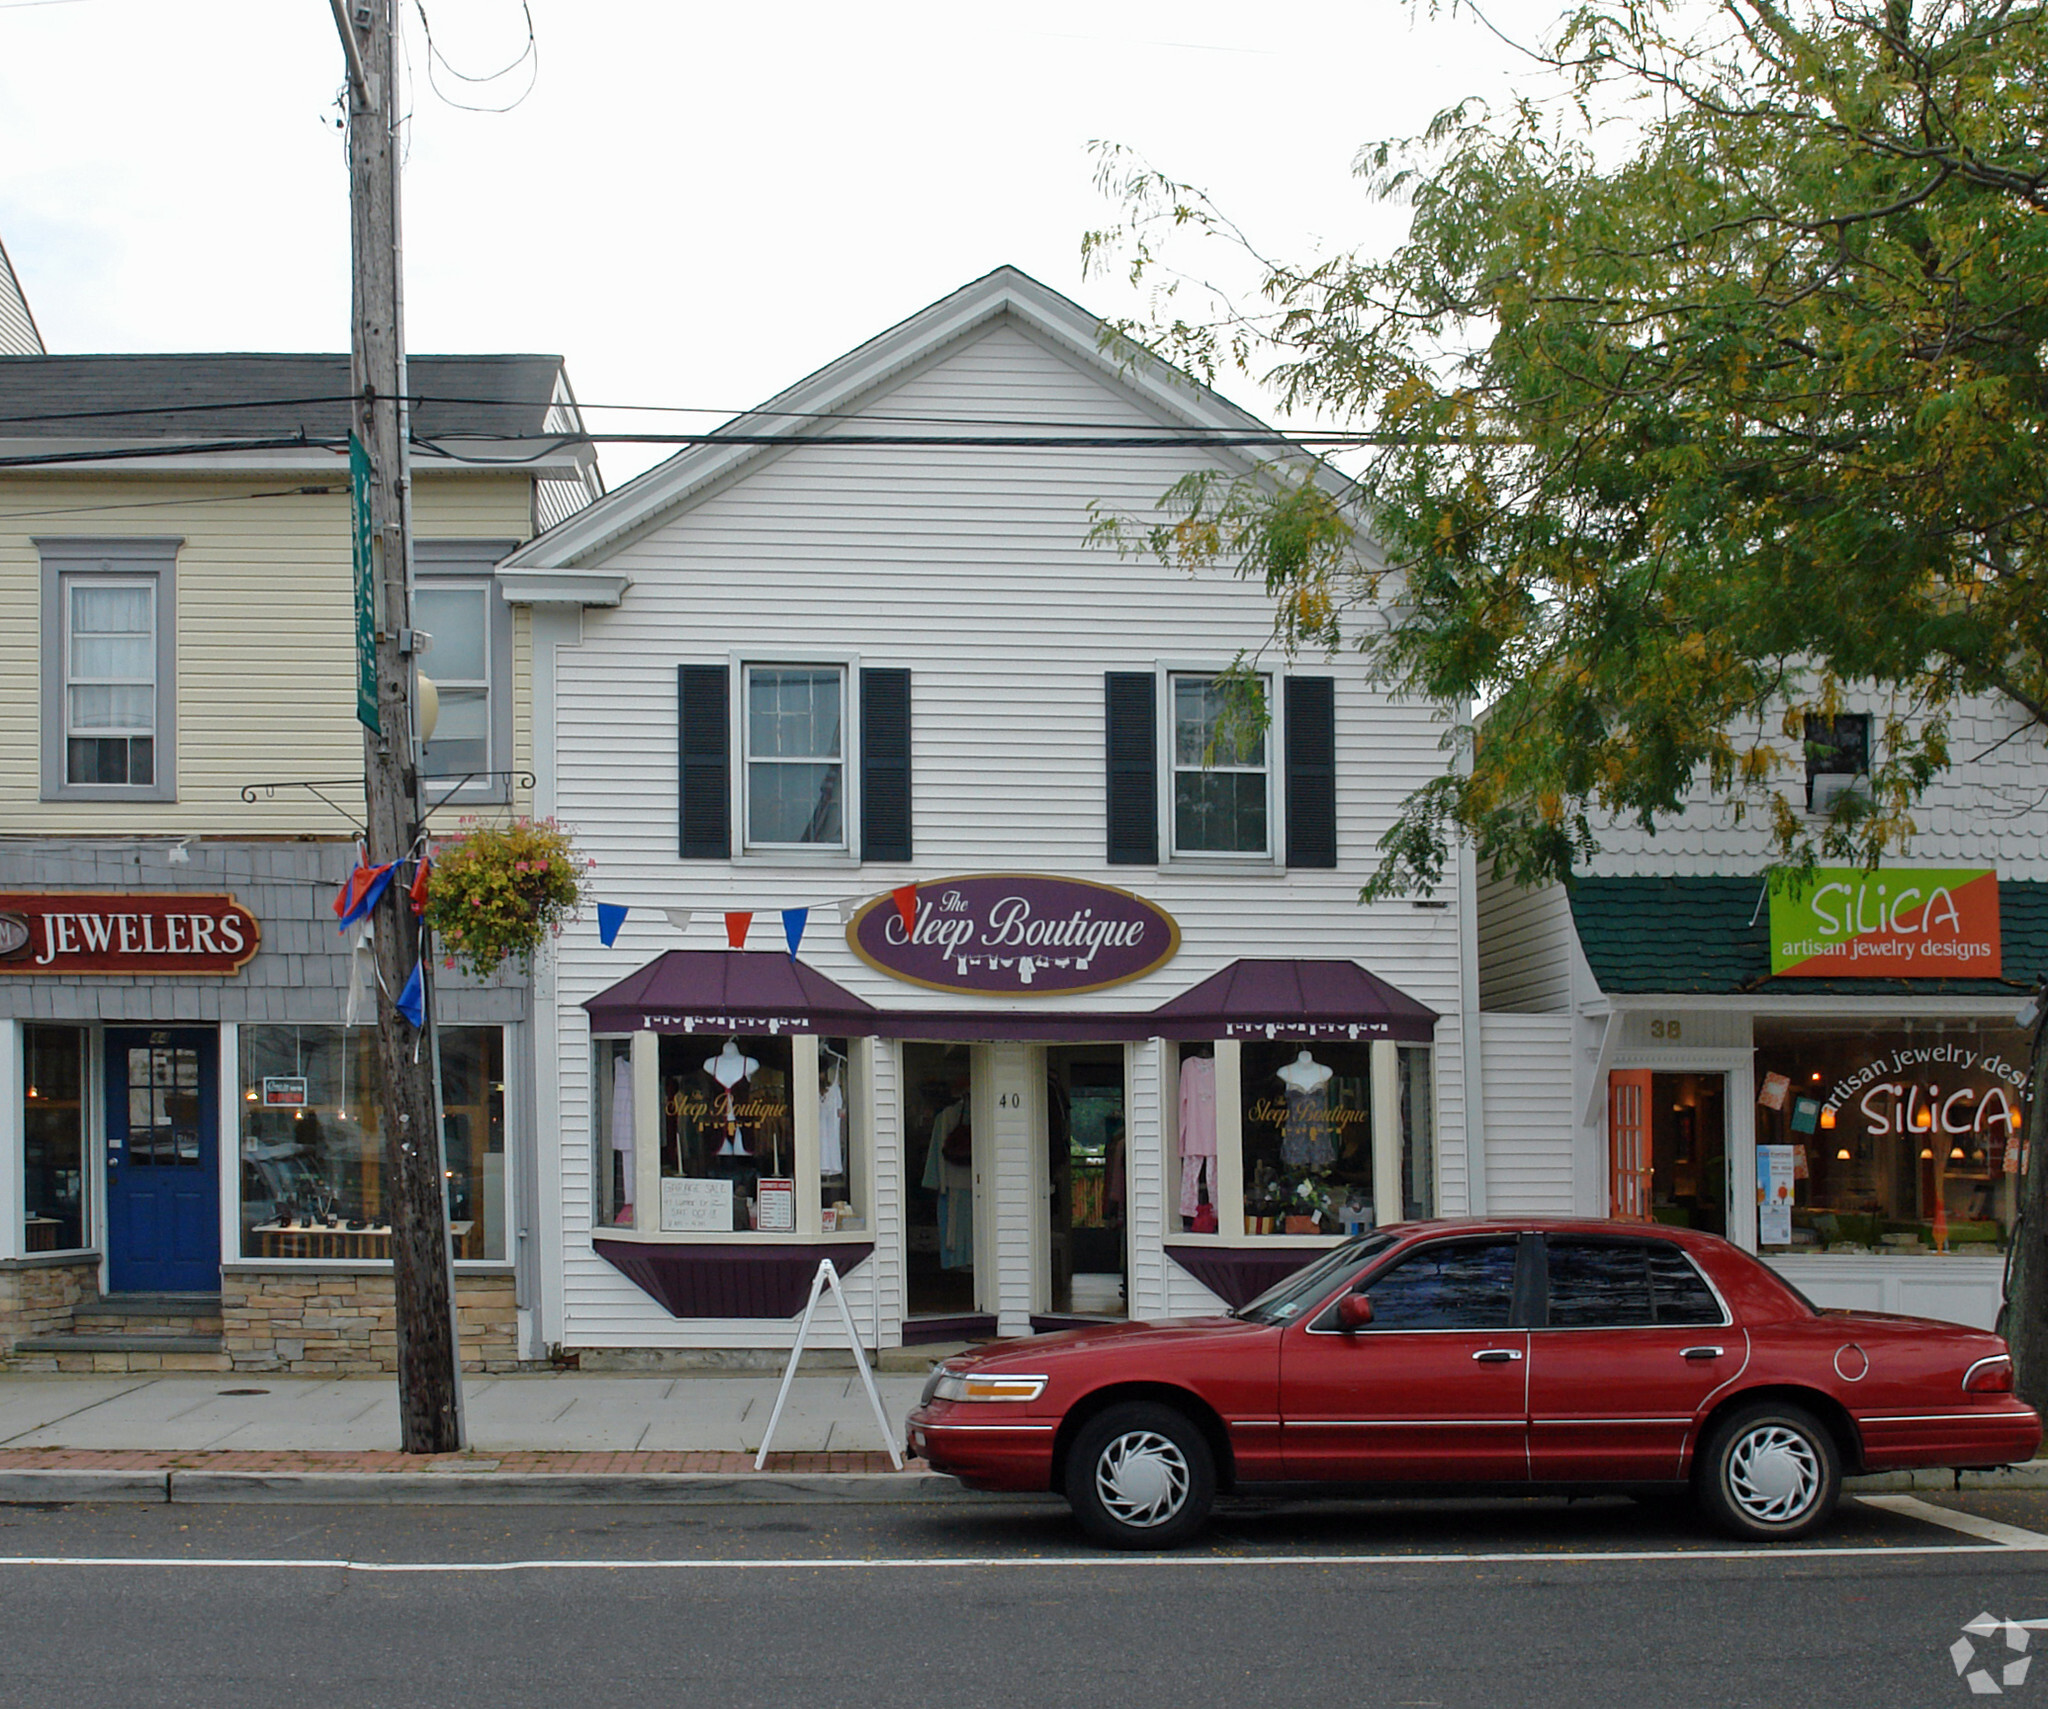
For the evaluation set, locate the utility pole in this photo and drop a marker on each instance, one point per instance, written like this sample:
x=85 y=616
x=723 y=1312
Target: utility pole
x=414 y=1187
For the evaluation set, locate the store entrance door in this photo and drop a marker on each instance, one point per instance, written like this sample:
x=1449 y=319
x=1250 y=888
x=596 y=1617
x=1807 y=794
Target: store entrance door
x=1087 y=1182
x=163 y=1161
x=942 y=1148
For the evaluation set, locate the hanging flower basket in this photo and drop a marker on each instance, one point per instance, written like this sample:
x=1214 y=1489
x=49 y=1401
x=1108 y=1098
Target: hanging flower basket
x=496 y=893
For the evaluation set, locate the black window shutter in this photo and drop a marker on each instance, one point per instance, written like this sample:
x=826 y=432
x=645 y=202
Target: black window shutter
x=884 y=764
x=1311 y=707
x=1131 y=703
x=704 y=779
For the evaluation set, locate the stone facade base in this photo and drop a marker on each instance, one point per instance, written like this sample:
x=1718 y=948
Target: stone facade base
x=346 y=1324
x=38 y=1298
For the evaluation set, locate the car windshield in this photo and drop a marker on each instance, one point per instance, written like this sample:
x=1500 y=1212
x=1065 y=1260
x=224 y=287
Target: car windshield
x=1286 y=1300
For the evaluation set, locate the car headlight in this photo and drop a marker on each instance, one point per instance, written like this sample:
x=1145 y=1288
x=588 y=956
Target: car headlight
x=979 y=1385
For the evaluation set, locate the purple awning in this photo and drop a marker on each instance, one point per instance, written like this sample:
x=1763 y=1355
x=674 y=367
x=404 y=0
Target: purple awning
x=1323 y=1000
x=763 y=991
x=729 y=991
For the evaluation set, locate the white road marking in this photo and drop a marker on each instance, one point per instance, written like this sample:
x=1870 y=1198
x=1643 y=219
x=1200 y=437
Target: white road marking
x=1990 y=1530
x=954 y=1563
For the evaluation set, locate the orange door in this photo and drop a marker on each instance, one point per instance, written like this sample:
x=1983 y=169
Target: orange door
x=1628 y=1144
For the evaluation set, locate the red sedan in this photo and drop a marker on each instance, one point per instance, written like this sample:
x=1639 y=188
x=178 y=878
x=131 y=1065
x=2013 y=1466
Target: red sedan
x=1536 y=1357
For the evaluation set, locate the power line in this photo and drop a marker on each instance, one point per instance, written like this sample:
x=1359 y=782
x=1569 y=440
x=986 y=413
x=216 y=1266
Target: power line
x=164 y=503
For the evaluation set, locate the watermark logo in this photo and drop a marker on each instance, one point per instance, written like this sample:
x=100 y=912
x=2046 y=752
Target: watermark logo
x=1987 y=1667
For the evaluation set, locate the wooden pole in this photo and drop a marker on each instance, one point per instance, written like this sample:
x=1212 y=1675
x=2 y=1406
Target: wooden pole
x=414 y=1186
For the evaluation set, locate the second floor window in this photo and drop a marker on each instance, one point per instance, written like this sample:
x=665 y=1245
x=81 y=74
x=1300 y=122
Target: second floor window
x=110 y=656
x=456 y=601
x=795 y=756
x=1837 y=755
x=1221 y=786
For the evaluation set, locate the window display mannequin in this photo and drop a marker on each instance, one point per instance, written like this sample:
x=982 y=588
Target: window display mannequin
x=949 y=1171
x=729 y=1068
x=1305 y=1141
x=622 y=1137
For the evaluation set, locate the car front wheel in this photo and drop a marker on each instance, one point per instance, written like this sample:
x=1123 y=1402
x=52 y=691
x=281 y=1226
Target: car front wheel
x=1141 y=1477
x=1769 y=1472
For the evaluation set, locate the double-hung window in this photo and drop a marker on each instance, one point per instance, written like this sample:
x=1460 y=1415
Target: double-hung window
x=795 y=759
x=109 y=667
x=455 y=600
x=1222 y=785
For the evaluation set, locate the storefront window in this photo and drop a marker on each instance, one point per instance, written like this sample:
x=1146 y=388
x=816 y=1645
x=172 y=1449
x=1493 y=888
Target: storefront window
x=1896 y=1137
x=1418 y=1134
x=53 y=1135
x=611 y=1086
x=1307 y=1138
x=312 y=1152
x=841 y=1188
x=728 y=1143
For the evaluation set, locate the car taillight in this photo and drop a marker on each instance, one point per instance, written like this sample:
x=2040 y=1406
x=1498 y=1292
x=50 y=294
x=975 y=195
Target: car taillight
x=1989 y=1376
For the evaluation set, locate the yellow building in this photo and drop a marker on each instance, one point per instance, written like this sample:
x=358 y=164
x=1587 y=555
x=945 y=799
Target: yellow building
x=186 y=1135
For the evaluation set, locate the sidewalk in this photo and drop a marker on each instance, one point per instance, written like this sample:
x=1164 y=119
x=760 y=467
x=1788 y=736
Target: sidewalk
x=542 y=1437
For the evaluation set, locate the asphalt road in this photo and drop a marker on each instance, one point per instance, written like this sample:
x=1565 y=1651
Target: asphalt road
x=1390 y=1606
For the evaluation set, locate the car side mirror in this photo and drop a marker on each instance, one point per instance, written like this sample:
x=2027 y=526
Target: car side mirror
x=1354 y=1311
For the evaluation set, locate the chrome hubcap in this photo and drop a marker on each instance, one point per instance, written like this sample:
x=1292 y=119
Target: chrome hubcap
x=1773 y=1474
x=1142 y=1478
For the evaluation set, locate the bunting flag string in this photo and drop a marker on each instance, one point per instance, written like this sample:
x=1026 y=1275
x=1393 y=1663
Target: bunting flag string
x=739 y=921
x=412 y=1001
x=362 y=891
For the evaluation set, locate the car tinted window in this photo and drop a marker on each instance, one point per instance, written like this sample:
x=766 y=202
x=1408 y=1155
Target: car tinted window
x=1597 y=1284
x=1679 y=1291
x=1457 y=1285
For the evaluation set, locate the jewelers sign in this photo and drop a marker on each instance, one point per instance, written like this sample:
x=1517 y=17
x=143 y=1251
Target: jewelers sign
x=1016 y=934
x=1895 y=923
x=89 y=932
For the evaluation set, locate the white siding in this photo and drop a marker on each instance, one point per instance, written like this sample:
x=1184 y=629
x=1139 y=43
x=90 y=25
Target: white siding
x=970 y=567
x=18 y=335
x=1525 y=947
x=1529 y=1114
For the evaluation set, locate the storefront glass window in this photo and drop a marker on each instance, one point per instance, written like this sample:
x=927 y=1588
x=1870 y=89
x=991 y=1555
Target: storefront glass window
x=728 y=1144
x=53 y=1136
x=312 y=1152
x=611 y=1088
x=841 y=1188
x=1418 y=1134
x=1900 y=1137
x=1307 y=1137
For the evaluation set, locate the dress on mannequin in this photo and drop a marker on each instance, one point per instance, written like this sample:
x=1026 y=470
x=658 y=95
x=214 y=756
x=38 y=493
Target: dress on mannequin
x=832 y=1127
x=954 y=1183
x=1305 y=1140
x=729 y=1068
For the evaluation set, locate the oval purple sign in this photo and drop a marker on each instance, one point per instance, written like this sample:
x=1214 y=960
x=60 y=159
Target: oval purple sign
x=1015 y=934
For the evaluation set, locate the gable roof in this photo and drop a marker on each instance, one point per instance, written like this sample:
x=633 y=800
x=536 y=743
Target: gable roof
x=1711 y=937
x=1169 y=395
x=261 y=396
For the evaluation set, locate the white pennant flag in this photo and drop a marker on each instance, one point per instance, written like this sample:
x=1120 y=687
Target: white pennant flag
x=848 y=907
x=678 y=917
x=360 y=1010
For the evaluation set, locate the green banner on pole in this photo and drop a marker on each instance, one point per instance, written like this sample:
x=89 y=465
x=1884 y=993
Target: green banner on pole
x=366 y=586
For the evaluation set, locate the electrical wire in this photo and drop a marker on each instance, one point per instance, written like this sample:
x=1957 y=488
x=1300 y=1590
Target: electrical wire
x=530 y=54
x=163 y=503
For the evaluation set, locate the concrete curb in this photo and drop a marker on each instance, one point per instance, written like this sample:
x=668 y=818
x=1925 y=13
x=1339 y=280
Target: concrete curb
x=490 y=1489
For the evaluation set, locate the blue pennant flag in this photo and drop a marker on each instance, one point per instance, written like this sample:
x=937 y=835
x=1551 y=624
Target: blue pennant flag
x=793 y=922
x=412 y=1001
x=610 y=917
x=363 y=891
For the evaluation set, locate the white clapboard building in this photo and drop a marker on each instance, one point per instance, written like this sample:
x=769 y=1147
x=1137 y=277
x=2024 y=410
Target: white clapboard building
x=1139 y=1049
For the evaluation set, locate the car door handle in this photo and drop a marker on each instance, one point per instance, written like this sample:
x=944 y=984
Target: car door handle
x=1702 y=1353
x=1495 y=1355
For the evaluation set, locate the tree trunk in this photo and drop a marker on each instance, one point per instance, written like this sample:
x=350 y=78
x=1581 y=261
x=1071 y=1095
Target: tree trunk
x=414 y=1191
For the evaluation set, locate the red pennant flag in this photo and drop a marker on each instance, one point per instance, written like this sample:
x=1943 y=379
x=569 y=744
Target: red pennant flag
x=736 y=925
x=418 y=891
x=906 y=906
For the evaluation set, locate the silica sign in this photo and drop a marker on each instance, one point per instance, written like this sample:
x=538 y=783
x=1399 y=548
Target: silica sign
x=1016 y=934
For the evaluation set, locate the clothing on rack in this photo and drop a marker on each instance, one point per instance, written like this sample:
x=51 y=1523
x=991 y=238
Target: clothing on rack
x=832 y=1129
x=954 y=1183
x=622 y=1134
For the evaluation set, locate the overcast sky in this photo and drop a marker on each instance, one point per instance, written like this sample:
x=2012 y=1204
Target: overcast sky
x=695 y=204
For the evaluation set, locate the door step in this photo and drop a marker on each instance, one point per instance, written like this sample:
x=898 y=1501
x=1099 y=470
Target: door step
x=120 y=1352
x=154 y=1315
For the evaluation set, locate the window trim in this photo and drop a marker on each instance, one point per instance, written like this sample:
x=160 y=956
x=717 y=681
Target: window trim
x=442 y=564
x=845 y=852
x=1273 y=856
x=66 y=559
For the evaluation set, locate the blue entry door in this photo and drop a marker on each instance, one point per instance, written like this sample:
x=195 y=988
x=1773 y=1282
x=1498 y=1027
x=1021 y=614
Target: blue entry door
x=163 y=1161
